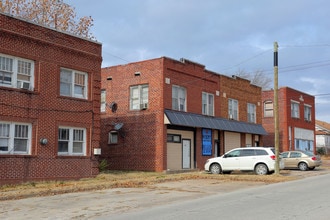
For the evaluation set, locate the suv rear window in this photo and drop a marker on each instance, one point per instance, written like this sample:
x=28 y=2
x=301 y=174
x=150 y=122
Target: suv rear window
x=261 y=152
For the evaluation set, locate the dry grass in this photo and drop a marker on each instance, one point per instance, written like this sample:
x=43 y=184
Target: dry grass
x=119 y=179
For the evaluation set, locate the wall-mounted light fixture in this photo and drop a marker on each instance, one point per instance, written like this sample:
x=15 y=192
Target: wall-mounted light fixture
x=137 y=73
x=43 y=141
x=109 y=78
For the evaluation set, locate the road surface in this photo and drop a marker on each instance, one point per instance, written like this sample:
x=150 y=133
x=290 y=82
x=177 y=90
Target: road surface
x=308 y=198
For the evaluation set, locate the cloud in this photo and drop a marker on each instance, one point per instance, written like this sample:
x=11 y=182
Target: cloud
x=225 y=36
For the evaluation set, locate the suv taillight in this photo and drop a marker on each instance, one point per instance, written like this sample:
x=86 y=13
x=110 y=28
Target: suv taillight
x=313 y=158
x=272 y=157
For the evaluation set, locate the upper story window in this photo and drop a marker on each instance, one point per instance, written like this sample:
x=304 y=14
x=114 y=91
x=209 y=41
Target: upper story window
x=73 y=83
x=307 y=113
x=233 y=109
x=268 y=109
x=16 y=72
x=207 y=104
x=179 y=98
x=103 y=100
x=294 y=109
x=139 y=97
x=251 y=113
x=71 y=141
x=15 y=138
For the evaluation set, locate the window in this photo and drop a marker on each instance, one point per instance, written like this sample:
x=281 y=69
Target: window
x=294 y=109
x=178 y=98
x=261 y=152
x=16 y=72
x=139 y=97
x=251 y=110
x=295 y=154
x=285 y=155
x=15 y=138
x=113 y=137
x=103 y=100
x=307 y=113
x=268 y=109
x=233 y=109
x=71 y=141
x=234 y=153
x=247 y=152
x=207 y=104
x=73 y=83
x=175 y=138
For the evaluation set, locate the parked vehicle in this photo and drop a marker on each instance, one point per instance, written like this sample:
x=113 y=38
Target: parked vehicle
x=261 y=160
x=303 y=160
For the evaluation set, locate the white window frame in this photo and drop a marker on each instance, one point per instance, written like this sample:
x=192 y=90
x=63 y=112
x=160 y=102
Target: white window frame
x=295 y=109
x=308 y=113
x=70 y=85
x=103 y=100
x=139 y=97
x=233 y=109
x=207 y=104
x=16 y=72
x=13 y=135
x=179 y=98
x=268 y=109
x=251 y=112
x=69 y=139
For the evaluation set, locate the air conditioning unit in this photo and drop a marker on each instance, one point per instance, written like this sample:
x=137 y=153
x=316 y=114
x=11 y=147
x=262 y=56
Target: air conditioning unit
x=144 y=106
x=97 y=151
x=23 y=85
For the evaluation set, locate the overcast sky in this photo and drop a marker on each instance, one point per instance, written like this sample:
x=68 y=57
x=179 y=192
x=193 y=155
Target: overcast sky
x=224 y=35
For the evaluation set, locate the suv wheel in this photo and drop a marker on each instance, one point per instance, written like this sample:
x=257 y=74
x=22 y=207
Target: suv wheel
x=261 y=169
x=215 y=168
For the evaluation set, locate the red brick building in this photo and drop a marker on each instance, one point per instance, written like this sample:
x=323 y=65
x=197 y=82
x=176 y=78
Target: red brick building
x=49 y=103
x=164 y=115
x=296 y=119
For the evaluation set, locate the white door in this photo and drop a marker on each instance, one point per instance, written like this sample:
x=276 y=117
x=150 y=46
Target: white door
x=186 y=154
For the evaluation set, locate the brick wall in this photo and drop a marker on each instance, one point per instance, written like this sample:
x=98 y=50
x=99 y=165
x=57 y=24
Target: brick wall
x=243 y=91
x=43 y=107
x=141 y=139
x=286 y=122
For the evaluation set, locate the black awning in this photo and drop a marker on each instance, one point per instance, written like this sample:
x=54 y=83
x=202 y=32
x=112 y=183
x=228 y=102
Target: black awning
x=202 y=121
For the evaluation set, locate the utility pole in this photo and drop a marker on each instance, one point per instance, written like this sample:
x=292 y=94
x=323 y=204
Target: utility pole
x=276 y=119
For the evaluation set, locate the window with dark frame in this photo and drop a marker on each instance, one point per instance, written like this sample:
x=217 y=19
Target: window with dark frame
x=113 y=137
x=174 y=138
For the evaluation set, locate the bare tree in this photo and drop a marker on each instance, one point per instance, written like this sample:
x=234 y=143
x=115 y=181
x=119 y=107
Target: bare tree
x=258 y=78
x=52 y=13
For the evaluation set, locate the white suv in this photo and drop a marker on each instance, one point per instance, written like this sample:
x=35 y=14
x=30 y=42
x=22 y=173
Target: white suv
x=261 y=160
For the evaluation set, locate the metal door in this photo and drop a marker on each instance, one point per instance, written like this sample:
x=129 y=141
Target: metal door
x=186 y=153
